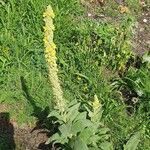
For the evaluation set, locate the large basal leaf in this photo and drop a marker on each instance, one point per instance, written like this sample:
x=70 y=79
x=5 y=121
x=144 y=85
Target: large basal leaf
x=133 y=142
x=65 y=130
x=56 y=114
x=72 y=112
x=81 y=116
x=86 y=134
x=78 y=144
x=78 y=126
x=106 y=146
x=56 y=138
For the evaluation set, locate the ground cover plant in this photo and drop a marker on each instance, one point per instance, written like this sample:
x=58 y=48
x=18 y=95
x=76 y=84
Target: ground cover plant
x=90 y=90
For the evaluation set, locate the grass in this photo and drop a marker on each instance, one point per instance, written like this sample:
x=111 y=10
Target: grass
x=89 y=56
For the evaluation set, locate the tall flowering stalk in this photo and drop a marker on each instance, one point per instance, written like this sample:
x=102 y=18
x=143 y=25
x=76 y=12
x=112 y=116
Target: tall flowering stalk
x=50 y=56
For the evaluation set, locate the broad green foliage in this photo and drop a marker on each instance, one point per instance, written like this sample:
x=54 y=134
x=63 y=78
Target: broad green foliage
x=146 y=59
x=81 y=128
x=133 y=142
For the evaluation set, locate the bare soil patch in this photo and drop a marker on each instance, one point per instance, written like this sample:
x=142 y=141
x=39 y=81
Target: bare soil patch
x=28 y=140
x=13 y=137
x=141 y=42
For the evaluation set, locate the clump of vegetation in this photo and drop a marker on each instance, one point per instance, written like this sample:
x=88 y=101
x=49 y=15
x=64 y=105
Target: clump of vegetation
x=77 y=123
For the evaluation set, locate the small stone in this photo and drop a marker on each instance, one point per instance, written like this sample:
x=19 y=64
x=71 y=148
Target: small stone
x=148 y=42
x=89 y=14
x=145 y=20
x=101 y=15
x=134 y=100
x=141 y=29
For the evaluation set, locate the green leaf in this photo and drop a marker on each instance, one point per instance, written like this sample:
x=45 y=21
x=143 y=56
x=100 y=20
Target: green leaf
x=72 y=112
x=93 y=148
x=97 y=115
x=78 y=144
x=146 y=58
x=56 y=138
x=3 y=59
x=106 y=146
x=86 y=134
x=133 y=142
x=78 y=126
x=81 y=116
x=56 y=114
x=104 y=130
x=65 y=130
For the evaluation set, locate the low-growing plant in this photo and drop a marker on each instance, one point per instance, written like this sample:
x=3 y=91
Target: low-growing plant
x=81 y=127
x=133 y=142
x=110 y=44
x=136 y=80
x=135 y=89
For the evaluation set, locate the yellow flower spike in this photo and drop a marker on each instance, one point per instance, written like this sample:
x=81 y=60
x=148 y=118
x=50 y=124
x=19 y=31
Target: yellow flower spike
x=50 y=56
x=96 y=103
x=49 y=12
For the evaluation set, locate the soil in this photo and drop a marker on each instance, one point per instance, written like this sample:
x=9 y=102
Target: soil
x=141 y=42
x=27 y=140
x=15 y=137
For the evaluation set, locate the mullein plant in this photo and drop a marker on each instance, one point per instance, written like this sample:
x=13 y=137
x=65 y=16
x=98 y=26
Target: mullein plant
x=51 y=58
x=75 y=125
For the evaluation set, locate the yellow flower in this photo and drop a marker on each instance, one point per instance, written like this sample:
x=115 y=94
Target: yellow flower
x=96 y=103
x=50 y=56
x=49 y=12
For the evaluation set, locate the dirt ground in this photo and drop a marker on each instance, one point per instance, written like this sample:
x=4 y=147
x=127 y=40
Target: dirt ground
x=141 y=41
x=25 y=139
x=13 y=137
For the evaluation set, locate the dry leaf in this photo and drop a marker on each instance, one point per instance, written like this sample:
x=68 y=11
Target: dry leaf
x=123 y=9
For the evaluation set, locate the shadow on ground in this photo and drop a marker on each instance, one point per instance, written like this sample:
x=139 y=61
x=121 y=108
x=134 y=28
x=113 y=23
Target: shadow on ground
x=6 y=132
x=43 y=124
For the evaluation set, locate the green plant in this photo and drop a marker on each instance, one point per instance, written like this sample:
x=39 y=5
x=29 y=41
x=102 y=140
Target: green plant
x=110 y=44
x=75 y=125
x=135 y=91
x=81 y=127
x=84 y=46
x=136 y=80
x=133 y=142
